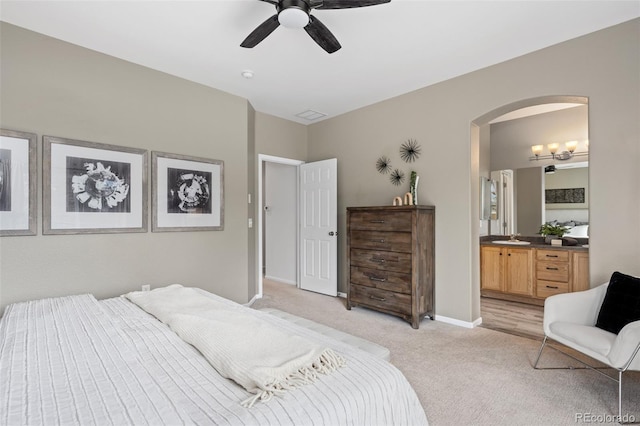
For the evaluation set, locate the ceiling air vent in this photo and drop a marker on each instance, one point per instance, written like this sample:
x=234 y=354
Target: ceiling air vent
x=311 y=115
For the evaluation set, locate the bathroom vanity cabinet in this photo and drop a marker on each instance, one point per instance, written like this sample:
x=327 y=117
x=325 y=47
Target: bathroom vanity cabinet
x=531 y=274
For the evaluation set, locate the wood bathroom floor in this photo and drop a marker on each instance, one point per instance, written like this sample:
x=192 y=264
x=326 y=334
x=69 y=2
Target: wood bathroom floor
x=512 y=317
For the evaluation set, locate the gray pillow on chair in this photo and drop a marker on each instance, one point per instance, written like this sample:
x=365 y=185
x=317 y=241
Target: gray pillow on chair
x=621 y=304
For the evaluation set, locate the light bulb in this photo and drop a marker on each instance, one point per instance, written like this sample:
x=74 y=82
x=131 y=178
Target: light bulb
x=553 y=147
x=571 y=146
x=293 y=18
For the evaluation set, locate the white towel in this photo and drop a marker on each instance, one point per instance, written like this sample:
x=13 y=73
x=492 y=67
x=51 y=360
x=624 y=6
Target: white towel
x=239 y=345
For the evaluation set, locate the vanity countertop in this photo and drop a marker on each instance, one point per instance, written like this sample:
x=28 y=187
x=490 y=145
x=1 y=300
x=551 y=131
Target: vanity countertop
x=535 y=242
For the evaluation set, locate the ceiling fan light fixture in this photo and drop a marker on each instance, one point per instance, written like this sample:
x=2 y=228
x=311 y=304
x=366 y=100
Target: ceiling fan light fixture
x=293 y=17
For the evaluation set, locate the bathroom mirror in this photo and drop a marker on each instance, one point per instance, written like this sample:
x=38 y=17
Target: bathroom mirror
x=529 y=197
x=485 y=202
x=520 y=171
x=488 y=199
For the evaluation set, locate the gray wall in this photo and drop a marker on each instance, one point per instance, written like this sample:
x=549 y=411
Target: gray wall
x=511 y=140
x=252 y=235
x=529 y=199
x=53 y=88
x=50 y=87
x=603 y=66
x=280 y=138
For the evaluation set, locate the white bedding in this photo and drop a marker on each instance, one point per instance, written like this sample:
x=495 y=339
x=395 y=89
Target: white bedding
x=256 y=355
x=76 y=360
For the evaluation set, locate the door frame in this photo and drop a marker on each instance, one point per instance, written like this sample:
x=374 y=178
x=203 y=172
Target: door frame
x=262 y=158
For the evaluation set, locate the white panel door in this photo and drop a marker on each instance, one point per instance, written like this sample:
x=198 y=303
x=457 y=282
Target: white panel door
x=319 y=226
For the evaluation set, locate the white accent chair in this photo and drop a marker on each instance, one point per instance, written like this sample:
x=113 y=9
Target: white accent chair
x=570 y=319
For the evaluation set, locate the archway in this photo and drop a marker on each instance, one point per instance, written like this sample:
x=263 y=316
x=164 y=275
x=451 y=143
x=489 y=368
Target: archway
x=478 y=131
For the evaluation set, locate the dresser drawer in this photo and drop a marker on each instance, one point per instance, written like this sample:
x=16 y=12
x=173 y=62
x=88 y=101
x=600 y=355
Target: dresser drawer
x=381 y=221
x=553 y=255
x=385 y=280
x=381 y=299
x=387 y=260
x=378 y=240
x=549 y=288
x=552 y=271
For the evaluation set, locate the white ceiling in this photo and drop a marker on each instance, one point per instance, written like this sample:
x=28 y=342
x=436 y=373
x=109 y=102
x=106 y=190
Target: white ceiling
x=387 y=50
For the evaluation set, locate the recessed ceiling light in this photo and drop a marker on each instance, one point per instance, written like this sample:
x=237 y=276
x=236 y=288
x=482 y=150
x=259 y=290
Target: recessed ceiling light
x=248 y=74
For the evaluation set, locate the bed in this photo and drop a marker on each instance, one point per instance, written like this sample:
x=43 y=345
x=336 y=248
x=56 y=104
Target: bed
x=77 y=360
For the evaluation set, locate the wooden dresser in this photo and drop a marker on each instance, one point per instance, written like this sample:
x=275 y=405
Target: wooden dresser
x=390 y=260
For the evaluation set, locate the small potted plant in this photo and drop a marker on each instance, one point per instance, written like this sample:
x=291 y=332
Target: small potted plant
x=550 y=232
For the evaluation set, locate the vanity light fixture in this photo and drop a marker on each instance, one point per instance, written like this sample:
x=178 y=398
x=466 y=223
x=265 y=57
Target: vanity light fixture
x=571 y=146
x=555 y=153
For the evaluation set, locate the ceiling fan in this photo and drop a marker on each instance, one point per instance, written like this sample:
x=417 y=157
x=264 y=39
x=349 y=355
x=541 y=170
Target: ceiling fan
x=297 y=14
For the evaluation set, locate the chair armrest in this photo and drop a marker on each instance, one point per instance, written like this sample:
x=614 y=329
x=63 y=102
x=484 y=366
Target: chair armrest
x=581 y=307
x=625 y=346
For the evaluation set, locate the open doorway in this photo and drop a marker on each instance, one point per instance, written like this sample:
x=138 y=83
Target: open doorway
x=277 y=219
x=314 y=249
x=511 y=139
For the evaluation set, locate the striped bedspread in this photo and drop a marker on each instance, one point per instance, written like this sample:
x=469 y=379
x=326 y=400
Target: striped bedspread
x=78 y=361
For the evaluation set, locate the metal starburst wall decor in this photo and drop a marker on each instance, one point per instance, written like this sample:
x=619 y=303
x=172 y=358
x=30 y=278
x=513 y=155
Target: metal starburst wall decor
x=410 y=151
x=397 y=177
x=383 y=165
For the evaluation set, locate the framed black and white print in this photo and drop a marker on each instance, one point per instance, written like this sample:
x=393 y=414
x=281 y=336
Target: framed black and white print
x=93 y=188
x=188 y=193
x=17 y=183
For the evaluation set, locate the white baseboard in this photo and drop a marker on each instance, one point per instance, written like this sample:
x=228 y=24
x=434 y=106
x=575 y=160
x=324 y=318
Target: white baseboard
x=343 y=295
x=253 y=299
x=459 y=323
x=280 y=280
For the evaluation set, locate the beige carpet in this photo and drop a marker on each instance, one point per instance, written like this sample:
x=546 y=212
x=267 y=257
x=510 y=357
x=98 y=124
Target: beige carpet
x=470 y=376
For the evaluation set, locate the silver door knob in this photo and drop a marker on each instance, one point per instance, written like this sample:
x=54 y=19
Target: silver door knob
x=331 y=234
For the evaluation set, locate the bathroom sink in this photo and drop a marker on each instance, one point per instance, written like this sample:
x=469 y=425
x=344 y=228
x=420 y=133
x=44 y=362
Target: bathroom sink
x=513 y=243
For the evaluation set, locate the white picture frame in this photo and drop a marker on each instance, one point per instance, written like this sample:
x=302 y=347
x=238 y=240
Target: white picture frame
x=18 y=183
x=93 y=188
x=187 y=192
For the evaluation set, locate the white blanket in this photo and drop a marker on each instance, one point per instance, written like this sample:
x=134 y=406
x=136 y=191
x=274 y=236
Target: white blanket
x=241 y=347
x=74 y=361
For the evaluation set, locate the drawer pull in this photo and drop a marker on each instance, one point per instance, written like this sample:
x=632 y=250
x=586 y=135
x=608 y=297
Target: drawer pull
x=552 y=286
x=378 y=260
x=376 y=221
x=372 y=278
x=377 y=241
x=379 y=299
x=551 y=269
x=552 y=255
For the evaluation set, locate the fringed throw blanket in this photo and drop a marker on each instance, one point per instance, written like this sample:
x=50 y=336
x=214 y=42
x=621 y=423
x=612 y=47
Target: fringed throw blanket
x=240 y=346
